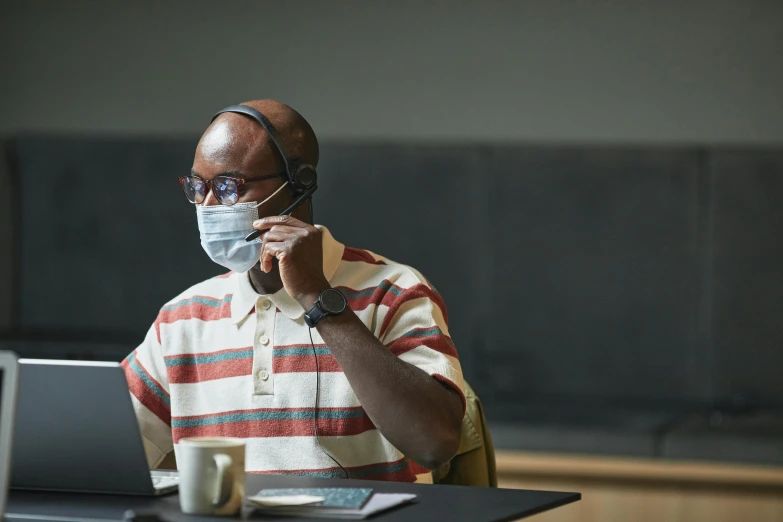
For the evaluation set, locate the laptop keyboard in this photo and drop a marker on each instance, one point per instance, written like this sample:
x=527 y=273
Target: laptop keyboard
x=160 y=482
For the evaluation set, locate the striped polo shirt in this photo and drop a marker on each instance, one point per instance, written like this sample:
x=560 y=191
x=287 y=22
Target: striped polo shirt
x=221 y=360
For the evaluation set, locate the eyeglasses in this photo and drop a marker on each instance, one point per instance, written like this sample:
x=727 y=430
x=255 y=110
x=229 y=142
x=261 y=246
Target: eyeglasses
x=225 y=188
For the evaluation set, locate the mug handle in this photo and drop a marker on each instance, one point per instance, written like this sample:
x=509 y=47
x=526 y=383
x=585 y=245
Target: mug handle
x=225 y=480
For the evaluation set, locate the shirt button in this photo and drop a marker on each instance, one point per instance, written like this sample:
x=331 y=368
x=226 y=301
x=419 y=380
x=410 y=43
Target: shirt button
x=265 y=304
x=263 y=339
x=263 y=375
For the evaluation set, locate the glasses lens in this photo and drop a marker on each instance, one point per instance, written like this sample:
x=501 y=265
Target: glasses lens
x=225 y=190
x=194 y=189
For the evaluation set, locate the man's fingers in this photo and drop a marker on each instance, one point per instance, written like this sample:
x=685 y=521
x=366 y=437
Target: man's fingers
x=266 y=257
x=271 y=250
x=270 y=221
x=280 y=239
x=282 y=232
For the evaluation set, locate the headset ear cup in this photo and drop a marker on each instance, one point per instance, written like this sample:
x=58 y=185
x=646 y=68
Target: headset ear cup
x=305 y=177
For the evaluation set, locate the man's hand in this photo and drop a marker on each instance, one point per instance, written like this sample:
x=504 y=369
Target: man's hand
x=298 y=249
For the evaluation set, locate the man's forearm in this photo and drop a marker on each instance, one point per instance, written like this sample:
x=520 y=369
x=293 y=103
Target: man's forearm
x=416 y=413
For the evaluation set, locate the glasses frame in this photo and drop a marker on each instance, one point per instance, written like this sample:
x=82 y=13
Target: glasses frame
x=238 y=181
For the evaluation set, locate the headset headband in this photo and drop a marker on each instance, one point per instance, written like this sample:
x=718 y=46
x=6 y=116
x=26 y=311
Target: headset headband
x=271 y=131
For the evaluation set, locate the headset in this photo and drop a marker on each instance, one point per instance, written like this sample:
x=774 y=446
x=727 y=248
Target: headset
x=300 y=175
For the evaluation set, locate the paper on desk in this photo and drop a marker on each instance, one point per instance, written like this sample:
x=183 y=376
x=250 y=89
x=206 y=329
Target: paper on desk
x=286 y=500
x=383 y=501
x=377 y=503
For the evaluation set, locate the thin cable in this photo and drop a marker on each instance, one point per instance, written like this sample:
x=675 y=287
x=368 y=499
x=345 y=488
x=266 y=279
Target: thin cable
x=284 y=185
x=317 y=397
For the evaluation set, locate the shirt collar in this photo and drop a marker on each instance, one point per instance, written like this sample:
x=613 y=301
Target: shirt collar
x=245 y=298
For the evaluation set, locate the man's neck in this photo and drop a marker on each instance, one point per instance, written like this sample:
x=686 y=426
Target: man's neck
x=263 y=283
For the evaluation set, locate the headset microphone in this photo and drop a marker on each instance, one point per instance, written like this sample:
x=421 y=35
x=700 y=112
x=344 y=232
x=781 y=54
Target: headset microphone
x=306 y=194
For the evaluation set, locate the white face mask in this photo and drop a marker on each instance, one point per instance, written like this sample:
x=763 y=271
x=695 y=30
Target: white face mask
x=223 y=230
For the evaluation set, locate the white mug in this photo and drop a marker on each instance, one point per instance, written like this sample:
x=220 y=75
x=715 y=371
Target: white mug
x=211 y=475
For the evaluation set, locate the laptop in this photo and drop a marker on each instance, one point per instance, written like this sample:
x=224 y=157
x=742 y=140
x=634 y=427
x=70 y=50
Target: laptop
x=8 y=381
x=76 y=431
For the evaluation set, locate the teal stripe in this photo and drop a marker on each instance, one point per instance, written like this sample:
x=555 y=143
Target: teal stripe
x=277 y=352
x=423 y=333
x=427 y=333
x=191 y=360
x=383 y=285
x=207 y=301
x=266 y=416
x=152 y=385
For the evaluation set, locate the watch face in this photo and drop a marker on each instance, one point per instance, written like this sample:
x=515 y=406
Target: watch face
x=333 y=301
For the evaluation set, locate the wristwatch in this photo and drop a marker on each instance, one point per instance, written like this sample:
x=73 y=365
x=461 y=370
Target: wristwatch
x=330 y=302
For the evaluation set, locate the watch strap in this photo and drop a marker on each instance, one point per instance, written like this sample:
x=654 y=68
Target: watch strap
x=314 y=315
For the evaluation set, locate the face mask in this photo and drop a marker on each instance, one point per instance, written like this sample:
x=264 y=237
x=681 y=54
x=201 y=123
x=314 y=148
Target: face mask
x=223 y=230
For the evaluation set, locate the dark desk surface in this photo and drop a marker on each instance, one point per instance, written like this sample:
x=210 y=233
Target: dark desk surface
x=451 y=503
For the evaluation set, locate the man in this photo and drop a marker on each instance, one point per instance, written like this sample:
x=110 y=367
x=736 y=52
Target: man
x=373 y=390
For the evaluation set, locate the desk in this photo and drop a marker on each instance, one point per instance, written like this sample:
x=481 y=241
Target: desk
x=437 y=503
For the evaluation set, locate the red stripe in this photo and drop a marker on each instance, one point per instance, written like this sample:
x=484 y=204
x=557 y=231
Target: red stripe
x=223 y=276
x=439 y=343
x=278 y=428
x=356 y=254
x=142 y=392
x=417 y=469
x=305 y=363
x=193 y=373
x=403 y=475
x=196 y=311
x=414 y=292
x=157 y=328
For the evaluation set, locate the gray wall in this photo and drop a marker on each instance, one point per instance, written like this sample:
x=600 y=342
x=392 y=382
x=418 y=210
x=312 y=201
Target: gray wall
x=543 y=70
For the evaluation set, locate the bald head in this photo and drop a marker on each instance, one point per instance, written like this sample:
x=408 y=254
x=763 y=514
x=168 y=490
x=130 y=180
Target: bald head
x=235 y=138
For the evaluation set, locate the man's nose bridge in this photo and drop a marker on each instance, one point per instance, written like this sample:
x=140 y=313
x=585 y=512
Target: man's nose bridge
x=210 y=199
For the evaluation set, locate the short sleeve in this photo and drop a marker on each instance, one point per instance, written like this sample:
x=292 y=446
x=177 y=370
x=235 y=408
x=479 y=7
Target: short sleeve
x=415 y=329
x=145 y=371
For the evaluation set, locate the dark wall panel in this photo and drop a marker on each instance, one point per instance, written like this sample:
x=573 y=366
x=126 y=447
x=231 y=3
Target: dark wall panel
x=750 y=438
x=747 y=274
x=106 y=234
x=596 y=272
x=605 y=274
